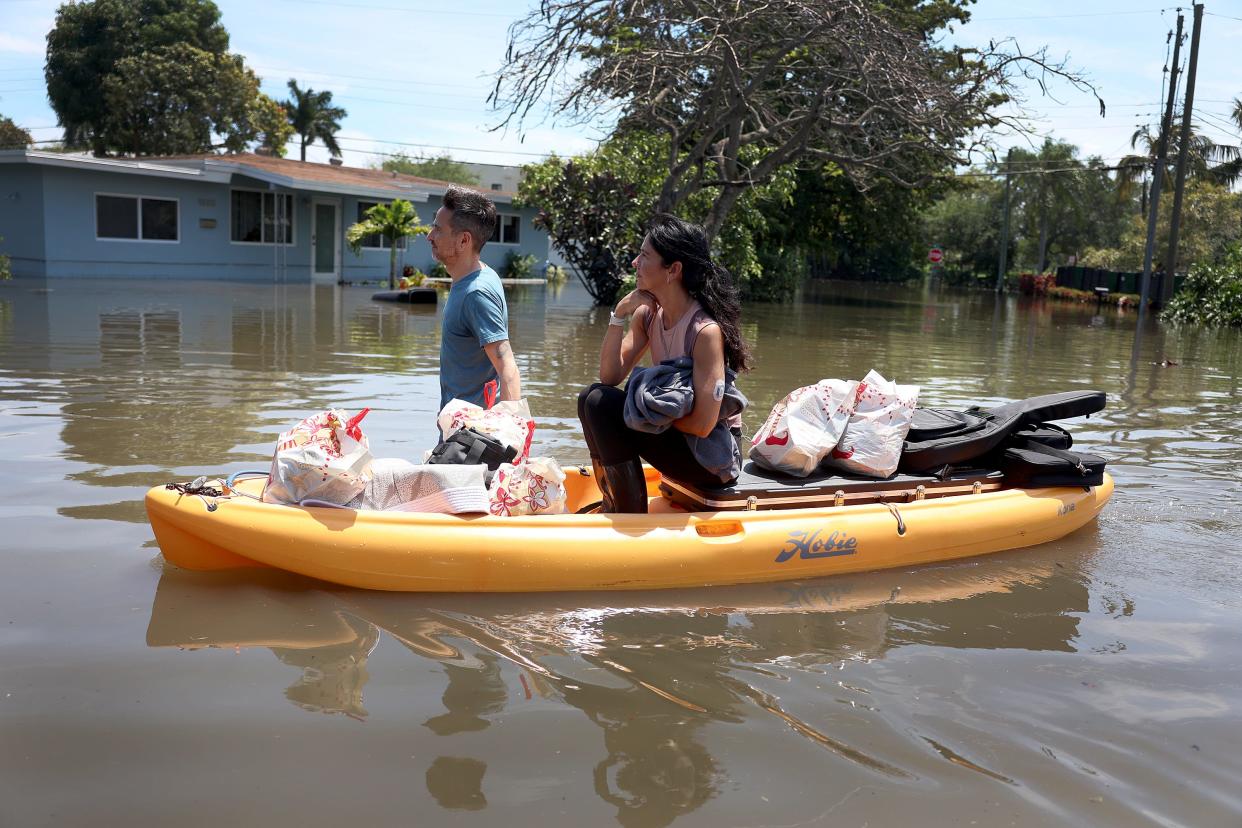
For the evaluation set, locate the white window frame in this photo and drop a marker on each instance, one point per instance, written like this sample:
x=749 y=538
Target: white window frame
x=138 y=197
x=293 y=217
x=402 y=243
x=500 y=230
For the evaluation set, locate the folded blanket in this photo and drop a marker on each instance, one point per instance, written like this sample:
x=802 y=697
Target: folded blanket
x=401 y=486
x=656 y=396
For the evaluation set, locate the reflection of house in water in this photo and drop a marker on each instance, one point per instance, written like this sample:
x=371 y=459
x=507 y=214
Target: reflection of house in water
x=653 y=679
x=177 y=375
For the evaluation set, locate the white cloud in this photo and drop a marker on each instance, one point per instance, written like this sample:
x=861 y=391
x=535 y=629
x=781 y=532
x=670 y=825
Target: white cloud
x=14 y=45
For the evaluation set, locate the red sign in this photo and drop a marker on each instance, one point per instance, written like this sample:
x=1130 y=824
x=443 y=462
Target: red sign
x=935 y=255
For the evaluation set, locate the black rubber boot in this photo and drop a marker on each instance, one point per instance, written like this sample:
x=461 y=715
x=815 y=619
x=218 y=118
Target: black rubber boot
x=627 y=488
x=601 y=480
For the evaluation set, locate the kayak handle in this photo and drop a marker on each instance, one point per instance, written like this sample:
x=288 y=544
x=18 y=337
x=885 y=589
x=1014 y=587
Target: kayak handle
x=720 y=530
x=228 y=483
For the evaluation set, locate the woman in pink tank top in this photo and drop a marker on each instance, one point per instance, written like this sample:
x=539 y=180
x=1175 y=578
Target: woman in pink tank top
x=684 y=305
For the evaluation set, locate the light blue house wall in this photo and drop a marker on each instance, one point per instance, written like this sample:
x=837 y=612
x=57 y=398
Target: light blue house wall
x=48 y=221
x=373 y=264
x=21 y=219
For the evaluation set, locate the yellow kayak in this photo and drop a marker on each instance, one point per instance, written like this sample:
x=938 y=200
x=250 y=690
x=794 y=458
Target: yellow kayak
x=419 y=552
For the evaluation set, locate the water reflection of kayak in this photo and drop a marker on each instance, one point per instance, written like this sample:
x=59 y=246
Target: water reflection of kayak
x=331 y=632
x=273 y=609
x=668 y=548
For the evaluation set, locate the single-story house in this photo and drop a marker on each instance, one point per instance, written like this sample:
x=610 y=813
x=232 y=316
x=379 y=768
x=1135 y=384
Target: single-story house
x=227 y=217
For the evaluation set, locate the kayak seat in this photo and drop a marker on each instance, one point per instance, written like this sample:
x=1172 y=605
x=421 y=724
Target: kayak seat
x=940 y=438
x=759 y=488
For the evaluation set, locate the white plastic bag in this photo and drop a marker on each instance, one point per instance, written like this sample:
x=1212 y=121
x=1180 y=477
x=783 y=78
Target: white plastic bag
x=508 y=421
x=804 y=427
x=535 y=487
x=324 y=458
x=872 y=441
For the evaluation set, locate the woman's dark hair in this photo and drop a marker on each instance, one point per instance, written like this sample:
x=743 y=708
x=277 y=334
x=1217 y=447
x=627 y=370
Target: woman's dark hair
x=680 y=241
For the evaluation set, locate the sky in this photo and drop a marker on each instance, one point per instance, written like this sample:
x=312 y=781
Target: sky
x=414 y=75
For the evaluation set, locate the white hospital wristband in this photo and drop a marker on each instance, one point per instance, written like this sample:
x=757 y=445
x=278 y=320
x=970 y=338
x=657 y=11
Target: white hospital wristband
x=620 y=321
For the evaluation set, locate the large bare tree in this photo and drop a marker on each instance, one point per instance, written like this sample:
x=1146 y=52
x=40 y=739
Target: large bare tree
x=742 y=87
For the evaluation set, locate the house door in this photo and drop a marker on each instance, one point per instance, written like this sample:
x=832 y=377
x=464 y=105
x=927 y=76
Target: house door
x=325 y=242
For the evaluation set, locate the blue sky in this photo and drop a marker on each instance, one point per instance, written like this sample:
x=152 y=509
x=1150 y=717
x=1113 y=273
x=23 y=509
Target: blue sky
x=418 y=73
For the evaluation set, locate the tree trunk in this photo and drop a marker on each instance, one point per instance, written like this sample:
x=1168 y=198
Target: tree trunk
x=1043 y=240
x=303 y=147
x=392 y=265
x=720 y=210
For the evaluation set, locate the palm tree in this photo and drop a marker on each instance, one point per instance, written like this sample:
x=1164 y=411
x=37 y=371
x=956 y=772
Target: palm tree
x=392 y=222
x=1137 y=167
x=314 y=117
x=1229 y=158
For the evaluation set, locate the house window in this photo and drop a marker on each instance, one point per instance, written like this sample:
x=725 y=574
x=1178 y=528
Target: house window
x=507 y=229
x=261 y=218
x=137 y=218
x=496 y=187
x=375 y=241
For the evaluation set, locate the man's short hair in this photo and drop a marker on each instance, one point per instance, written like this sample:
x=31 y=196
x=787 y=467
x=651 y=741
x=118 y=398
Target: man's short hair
x=472 y=212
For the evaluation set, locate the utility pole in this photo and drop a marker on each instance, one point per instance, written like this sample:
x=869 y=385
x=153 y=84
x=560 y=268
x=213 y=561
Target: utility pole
x=1158 y=172
x=1004 y=245
x=1175 y=223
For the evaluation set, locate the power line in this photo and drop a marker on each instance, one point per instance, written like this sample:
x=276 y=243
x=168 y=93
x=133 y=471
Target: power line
x=362 y=77
x=1068 y=16
x=342 y=138
x=440 y=147
x=407 y=9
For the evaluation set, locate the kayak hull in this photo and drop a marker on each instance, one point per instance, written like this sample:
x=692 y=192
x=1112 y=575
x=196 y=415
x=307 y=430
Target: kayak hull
x=412 y=552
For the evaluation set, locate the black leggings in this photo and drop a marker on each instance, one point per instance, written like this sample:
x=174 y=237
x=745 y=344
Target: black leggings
x=601 y=408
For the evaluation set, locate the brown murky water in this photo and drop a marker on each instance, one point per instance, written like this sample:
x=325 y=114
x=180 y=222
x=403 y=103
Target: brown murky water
x=1091 y=681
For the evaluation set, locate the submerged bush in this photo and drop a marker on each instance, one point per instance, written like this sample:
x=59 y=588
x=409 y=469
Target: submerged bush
x=518 y=266
x=1212 y=293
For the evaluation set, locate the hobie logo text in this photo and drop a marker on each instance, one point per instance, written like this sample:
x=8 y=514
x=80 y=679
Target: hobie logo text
x=808 y=545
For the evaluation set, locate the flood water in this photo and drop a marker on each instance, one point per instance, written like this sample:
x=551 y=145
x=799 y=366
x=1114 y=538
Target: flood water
x=1091 y=681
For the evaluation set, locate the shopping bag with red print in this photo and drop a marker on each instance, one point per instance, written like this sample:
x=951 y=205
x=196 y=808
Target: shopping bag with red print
x=324 y=458
x=508 y=421
x=871 y=444
x=804 y=427
x=535 y=487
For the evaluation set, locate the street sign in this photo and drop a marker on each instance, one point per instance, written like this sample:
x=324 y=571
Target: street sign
x=935 y=255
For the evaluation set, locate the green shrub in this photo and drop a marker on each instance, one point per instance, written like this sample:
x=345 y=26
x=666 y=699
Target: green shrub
x=6 y=272
x=411 y=276
x=518 y=266
x=629 y=283
x=556 y=275
x=781 y=271
x=439 y=271
x=1211 y=294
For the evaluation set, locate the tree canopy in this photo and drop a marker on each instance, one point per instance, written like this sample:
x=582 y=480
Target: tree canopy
x=1061 y=204
x=313 y=117
x=441 y=168
x=1211 y=225
x=149 y=77
x=741 y=90
x=12 y=136
x=596 y=207
x=966 y=224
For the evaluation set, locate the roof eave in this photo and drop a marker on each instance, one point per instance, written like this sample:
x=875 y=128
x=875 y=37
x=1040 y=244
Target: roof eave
x=123 y=165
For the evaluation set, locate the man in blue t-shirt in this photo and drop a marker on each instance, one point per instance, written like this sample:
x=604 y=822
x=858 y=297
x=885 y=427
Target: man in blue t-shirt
x=474 y=332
